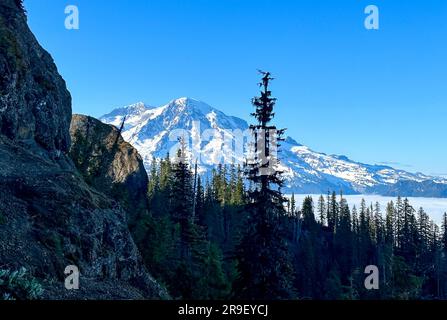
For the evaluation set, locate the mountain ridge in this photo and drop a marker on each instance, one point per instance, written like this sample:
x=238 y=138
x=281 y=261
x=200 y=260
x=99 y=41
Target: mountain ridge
x=154 y=132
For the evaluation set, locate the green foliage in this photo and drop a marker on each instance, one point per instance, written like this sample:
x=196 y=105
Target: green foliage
x=90 y=167
x=188 y=237
x=264 y=263
x=2 y=218
x=406 y=285
x=214 y=278
x=19 y=285
x=333 y=286
x=215 y=240
x=329 y=261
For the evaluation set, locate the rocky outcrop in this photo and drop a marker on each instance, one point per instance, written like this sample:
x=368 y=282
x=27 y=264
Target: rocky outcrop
x=52 y=219
x=35 y=104
x=49 y=216
x=108 y=163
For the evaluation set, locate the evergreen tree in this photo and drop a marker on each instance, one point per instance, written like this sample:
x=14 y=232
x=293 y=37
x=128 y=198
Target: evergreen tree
x=408 y=228
x=200 y=218
x=344 y=241
x=355 y=220
x=292 y=210
x=355 y=237
x=239 y=191
x=390 y=224
x=332 y=216
x=398 y=217
x=265 y=270
x=309 y=222
x=307 y=264
x=322 y=210
x=182 y=193
x=444 y=233
x=364 y=235
x=153 y=180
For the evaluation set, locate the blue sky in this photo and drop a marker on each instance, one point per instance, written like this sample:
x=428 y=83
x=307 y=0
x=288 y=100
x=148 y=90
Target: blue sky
x=375 y=96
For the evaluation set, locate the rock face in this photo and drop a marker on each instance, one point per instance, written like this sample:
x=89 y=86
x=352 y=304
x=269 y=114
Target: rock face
x=108 y=163
x=34 y=102
x=50 y=217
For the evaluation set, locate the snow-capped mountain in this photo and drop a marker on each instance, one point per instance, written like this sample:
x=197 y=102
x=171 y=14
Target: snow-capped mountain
x=214 y=137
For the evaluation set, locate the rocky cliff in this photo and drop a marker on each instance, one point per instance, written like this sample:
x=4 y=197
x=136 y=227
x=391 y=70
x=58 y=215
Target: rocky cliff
x=108 y=163
x=49 y=216
x=34 y=102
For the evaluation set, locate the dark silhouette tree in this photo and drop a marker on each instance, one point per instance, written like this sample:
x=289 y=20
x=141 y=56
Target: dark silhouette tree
x=265 y=269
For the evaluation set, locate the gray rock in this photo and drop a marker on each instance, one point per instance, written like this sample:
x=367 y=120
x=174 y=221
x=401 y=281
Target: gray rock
x=109 y=164
x=35 y=104
x=49 y=216
x=52 y=219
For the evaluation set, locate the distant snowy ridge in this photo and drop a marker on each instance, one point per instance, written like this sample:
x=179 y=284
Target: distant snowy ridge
x=153 y=130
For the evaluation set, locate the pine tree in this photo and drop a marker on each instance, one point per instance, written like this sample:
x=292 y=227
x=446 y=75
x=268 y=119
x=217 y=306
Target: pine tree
x=166 y=174
x=322 y=210
x=292 y=210
x=308 y=216
x=344 y=241
x=364 y=235
x=307 y=262
x=265 y=270
x=424 y=231
x=443 y=259
x=332 y=216
x=182 y=193
x=328 y=209
x=355 y=237
x=390 y=224
x=379 y=228
x=199 y=215
x=407 y=245
x=444 y=233
x=213 y=282
x=153 y=179
x=398 y=217
x=355 y=220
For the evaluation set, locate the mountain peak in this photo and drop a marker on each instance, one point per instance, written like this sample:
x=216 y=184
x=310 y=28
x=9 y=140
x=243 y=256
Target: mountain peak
x=305 y=170
x=184 y=100
x=187 y=103
x=136 y=106
x=135 y=109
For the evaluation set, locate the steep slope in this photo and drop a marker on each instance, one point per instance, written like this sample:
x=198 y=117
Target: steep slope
x=215 y=138
x=34 y=102
x=49 y=217
x=108 y=163
x=52 y=219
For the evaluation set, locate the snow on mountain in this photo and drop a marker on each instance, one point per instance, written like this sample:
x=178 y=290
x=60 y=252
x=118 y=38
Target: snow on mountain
x=214 y=137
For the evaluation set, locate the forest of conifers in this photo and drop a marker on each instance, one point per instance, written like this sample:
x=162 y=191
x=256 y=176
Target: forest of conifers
x=235 y=236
